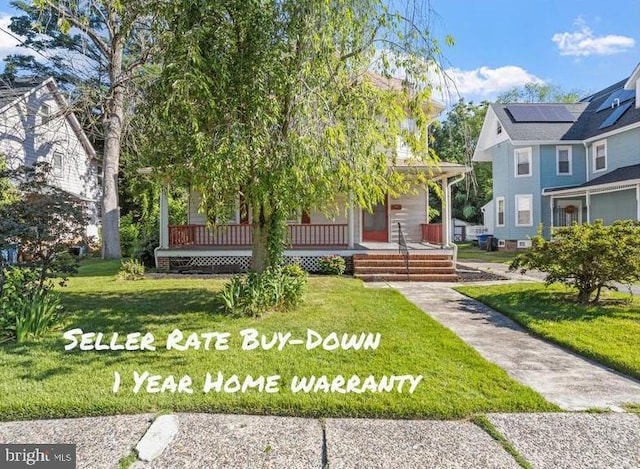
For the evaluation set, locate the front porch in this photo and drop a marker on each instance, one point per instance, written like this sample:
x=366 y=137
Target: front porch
x=311 y=236
x=299 y=236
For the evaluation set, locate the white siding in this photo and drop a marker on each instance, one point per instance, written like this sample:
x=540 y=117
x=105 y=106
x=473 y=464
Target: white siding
x=412 y=214
x=26 y=139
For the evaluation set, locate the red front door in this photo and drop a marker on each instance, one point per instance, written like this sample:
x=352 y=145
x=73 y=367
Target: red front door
x=375 y=226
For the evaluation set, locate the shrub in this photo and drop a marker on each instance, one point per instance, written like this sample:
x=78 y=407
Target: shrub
x=26 y=309
x=254 y=294
x=145 y=250
x=131 y=269
x=589 y=257
x=332 y=265
x=45 y=223
x=129 y=234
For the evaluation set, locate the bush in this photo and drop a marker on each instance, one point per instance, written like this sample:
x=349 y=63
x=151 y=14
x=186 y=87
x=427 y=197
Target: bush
x=332 y=265
x=129 y=234
x=26 y=308
x=272 y=290
x=589 y=257
x=131 y=269
x=145 y=250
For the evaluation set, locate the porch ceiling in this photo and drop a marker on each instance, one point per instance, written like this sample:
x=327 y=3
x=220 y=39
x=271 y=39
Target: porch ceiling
x=437 y=171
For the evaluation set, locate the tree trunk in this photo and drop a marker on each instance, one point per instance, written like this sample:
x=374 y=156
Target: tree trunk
x=584 y=295
x=260 y=246
x=113 y=125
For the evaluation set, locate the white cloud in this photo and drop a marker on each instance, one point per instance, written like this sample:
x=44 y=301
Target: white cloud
x=485 y=82
x=583 y=42
x=8 y=43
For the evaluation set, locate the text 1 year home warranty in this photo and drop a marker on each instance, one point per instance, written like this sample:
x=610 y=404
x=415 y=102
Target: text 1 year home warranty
x=247 y=339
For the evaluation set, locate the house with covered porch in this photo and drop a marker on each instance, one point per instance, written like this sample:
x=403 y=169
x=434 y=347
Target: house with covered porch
x=369 y=241
x=393 y=241
x=557 y=164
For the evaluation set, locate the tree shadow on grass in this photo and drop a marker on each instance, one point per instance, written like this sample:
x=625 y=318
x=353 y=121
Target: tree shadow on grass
x=555 y=306
x=117 y=311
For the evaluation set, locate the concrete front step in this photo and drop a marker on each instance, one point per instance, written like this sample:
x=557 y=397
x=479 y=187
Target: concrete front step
x=386 y=277
x=401 y=262
x=386 y=269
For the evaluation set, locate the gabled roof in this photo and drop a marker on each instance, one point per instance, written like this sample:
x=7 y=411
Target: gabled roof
x=610 y=109
x=545 y=131
x=11 y=92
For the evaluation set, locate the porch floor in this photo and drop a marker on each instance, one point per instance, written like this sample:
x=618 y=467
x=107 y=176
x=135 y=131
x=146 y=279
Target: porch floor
x=359 y=248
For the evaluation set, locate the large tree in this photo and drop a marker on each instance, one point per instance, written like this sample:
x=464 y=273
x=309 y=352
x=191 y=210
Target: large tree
x=275 y=99
x=97 y=47
x=454 y=140
x=533 y=92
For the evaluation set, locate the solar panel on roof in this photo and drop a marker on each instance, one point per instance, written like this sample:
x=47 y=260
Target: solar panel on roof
x=615 y=115
x=617 y=97
x=540 y=113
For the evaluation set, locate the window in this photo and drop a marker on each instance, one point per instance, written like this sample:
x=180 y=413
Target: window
x=563 y=161
x=600 y=156
x=500 y=211
x=524 y=210
x=522 y=162
x=45 y=113
x=58 y=164
x=498 y=128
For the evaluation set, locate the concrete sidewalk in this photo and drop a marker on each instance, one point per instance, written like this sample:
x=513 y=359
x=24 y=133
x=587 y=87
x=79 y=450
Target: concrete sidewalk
x=550 y=440
x=564 y=378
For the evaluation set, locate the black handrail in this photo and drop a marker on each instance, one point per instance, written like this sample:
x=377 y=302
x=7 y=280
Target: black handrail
x=403 y=249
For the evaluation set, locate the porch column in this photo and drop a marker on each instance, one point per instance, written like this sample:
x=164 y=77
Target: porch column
x=551 y=224
x=164 y=218
x=446 y=212
x=587 y=196
x=350 y=223
x=426 y=214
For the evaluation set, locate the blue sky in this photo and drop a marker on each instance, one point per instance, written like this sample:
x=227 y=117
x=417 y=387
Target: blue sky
x=582 y=45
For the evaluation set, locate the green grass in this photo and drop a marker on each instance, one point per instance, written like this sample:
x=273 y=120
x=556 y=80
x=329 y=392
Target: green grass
x=608 y=333
x=468 y=252
x=42 y=380
x=483 y=422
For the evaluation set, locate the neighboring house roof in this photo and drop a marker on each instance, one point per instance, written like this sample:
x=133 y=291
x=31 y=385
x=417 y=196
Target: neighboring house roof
x=624 y=174
x=546 y=131
x=11 y=92
x=608 y=110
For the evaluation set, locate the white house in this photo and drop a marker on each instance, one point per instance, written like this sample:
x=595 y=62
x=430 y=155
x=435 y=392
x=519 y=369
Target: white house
x=36 y=125
x=356 y=235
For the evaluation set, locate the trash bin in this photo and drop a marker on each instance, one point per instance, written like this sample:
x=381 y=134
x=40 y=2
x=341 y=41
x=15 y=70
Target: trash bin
x=482 y=241
x=492 y=243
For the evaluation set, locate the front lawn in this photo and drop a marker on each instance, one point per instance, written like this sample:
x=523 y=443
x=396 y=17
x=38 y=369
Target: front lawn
x=470 y=252
x=43 y=380
x=608 y=333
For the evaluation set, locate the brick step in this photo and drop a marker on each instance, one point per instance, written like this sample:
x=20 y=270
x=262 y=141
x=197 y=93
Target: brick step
x=402 y=270
x=400 y=256
x=411 y=278
x=400 y=262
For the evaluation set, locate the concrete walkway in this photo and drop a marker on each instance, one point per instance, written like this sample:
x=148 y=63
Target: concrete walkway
x=566 y=379
x=237 y=441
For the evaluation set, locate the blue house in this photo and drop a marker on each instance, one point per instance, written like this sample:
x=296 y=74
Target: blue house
x=556 y=164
